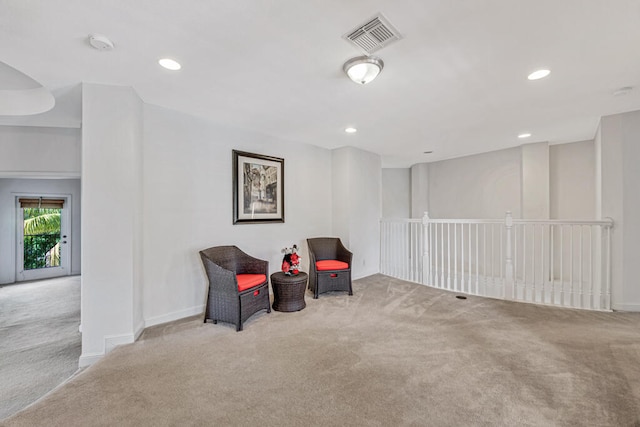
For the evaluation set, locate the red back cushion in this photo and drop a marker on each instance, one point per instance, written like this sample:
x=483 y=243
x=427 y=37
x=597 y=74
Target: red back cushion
x=331 y=264
x=246 y=281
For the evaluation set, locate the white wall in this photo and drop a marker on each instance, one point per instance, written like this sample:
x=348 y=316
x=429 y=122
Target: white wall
x=396 y=193
x=548 y=181
x=571 y=179
x=9 y=188
x=357 y=200
x=39 y=152
x=534 y=169
x=480 y=186
x=419 y=190
x=340 y=192
x=188 y=205
x=112 y=203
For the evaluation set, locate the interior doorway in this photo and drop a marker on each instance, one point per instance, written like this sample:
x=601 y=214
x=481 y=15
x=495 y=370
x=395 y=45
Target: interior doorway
x=43 y=237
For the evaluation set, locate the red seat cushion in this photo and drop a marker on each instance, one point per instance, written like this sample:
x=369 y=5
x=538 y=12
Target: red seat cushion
x=331 y=264
x=246 y=281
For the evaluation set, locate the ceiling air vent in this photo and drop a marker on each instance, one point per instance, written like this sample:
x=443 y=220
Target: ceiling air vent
x=373 y=35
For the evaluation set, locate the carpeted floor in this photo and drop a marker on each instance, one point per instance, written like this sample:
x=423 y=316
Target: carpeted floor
x=393 y=354
x=40 y=342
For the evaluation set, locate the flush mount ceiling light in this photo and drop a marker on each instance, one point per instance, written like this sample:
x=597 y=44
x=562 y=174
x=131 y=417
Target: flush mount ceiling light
x=539 y=74
x=351 y=130
x=524 y=135
x=170 y=64
x=363 y=69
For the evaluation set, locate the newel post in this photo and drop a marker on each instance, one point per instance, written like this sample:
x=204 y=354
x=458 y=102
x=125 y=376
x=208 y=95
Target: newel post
x=426 y=261
x=508 y=272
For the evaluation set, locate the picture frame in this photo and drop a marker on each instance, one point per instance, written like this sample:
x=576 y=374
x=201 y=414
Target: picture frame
x=258 y=188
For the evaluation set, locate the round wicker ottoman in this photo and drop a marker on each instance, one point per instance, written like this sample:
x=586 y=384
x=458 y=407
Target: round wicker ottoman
x=288 y=291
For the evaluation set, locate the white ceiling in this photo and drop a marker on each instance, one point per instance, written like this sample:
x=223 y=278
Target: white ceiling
x=455 y=84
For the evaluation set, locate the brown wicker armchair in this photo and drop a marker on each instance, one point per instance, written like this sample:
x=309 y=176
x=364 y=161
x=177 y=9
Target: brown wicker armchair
x=238 y=285
x=329 y=266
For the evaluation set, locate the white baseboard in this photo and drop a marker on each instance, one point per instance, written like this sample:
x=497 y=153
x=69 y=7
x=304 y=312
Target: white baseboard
x=112 y=341
x=138 y=330
x=363 y=274
x=176 y=315
x=89 y=359
x=625 y=307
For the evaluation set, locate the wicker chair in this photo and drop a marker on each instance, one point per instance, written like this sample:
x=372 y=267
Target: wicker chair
x=329 y=266
x=238 y=285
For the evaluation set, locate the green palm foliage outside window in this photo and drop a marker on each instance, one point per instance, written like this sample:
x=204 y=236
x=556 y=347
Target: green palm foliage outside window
x=41 y=238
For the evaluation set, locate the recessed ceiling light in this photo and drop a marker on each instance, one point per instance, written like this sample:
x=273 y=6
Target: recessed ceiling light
x=524 y=135
x=170 y=64
x=351 y=130
x=539 y=74
x=428 y=152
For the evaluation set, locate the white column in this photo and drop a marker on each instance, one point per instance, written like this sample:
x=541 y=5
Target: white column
x=111 y=216
x=617 y=197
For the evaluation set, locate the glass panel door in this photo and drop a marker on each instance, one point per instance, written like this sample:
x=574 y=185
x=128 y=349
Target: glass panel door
x=41 y=238
x=43 y=242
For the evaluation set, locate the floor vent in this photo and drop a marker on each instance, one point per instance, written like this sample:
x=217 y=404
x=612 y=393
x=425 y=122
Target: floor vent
x=373 y=35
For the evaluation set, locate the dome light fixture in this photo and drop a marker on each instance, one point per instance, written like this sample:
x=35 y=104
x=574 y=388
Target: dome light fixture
x=363 y=69
x=351 y=130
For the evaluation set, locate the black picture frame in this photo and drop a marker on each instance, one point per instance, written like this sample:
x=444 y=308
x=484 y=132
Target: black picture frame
x=258 y=188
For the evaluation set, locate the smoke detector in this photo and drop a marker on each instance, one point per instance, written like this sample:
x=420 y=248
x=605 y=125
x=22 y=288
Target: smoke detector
x=100 y=42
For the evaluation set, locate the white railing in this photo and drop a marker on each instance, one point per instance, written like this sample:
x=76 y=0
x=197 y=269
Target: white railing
x=402 y=249
x=554 y=262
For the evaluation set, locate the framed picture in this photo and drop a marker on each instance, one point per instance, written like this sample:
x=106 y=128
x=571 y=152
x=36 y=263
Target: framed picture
x=258 y=188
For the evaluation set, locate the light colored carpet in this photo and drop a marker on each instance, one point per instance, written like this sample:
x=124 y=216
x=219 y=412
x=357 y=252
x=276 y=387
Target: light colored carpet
x=393 y=354
x=40 y=342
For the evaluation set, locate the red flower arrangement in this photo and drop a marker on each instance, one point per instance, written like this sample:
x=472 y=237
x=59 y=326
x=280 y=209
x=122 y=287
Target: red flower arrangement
x=291 y=261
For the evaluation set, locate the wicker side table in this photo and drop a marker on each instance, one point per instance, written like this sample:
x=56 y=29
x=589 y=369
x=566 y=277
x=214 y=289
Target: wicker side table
x=288 y=291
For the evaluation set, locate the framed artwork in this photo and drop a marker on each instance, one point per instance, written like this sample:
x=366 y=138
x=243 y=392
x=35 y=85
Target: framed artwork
x=258 y=188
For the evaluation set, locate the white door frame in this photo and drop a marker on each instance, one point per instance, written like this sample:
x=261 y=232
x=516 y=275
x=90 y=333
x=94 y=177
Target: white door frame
x=65 y=230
